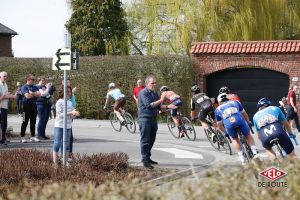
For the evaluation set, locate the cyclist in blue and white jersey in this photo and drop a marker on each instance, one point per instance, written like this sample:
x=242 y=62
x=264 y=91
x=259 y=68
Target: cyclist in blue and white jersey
x=119 y=97
x=269 y=121
x=230 y=114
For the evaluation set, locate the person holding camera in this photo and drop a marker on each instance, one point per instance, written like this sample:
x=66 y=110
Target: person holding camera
x=44 y=103
x=31 y=93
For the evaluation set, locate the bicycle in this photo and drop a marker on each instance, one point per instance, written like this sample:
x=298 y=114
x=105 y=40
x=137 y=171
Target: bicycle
x=129 y=122
x=215 y=137
x=279 y=148
x=185 y=123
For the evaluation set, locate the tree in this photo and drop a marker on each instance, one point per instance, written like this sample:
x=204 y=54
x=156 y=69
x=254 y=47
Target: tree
x=170 y=27
x=98 y=27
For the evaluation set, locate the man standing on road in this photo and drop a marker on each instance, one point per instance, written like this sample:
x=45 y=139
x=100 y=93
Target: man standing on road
x=148 y=107
x=4 y=97
x=292 y=111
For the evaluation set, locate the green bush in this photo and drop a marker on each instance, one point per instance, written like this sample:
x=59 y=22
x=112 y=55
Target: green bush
x=95 y=73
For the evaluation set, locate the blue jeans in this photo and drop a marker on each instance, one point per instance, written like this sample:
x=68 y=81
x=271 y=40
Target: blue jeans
x=148 y=129
x=4 y=123
x=58 y=139
x=43 y=113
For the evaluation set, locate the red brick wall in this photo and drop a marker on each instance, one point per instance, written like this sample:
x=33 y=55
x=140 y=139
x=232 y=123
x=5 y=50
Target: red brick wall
x=205 y=64
x=5 y=46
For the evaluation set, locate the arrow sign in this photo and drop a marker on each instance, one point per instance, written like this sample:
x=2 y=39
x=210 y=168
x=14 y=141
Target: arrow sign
x=178 y=153
x=62 y=59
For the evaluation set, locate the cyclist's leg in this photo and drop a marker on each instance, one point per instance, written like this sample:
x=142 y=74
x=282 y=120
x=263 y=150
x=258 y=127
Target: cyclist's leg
x=117 y=106
x=246 y=132
x=286 y=144
x=236 y=142
x=266 y=143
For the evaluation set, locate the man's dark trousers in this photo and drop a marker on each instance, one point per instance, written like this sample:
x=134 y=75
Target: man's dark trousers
x=148 y=129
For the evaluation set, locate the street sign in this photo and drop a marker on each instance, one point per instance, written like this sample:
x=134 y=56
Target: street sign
x=75 y=60
x=62 y=59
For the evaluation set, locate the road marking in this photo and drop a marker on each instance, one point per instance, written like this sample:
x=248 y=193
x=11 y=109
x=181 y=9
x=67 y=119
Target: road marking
x=178 y=153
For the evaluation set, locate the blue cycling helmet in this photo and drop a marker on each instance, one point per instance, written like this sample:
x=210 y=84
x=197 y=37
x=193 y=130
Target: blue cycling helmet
x=264 y=102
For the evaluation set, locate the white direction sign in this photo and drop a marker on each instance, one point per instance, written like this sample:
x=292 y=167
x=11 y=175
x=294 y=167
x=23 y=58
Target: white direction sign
x=62 y=59
x=178 y=153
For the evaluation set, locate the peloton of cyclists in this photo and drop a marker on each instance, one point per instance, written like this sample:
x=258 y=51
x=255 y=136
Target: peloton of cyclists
x=231 y=114
x=173 y=102
x=230 y=96
x=268 y=121
x=116 y=94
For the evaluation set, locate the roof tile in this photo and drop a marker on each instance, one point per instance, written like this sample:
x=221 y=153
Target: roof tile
x=284 y=46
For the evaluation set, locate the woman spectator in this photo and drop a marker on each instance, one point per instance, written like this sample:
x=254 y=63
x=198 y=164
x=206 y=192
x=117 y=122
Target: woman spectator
x=19 y=99
x=58 y=125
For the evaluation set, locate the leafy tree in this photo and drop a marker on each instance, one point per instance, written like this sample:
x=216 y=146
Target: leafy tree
x=170 y=27
x=98 y=27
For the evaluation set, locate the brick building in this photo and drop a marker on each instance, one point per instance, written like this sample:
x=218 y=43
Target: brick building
x=252 y=69
x=6 y=35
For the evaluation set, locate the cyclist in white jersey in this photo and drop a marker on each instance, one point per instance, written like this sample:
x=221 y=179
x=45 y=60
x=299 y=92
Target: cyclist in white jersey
x=119 y=97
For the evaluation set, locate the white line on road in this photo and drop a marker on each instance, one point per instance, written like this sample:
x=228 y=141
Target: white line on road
x=178 y=153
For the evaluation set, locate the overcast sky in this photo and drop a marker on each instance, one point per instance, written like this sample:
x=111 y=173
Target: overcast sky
x=39 y=24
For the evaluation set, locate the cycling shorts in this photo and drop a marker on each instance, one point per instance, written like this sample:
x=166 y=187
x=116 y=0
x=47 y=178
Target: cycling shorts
x=236 y=121
x=272 y=131
x=119 y=103
x=178 y=103
x=206 y=107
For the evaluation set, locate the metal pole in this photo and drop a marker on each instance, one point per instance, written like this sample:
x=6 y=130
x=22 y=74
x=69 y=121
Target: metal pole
x=65 y=111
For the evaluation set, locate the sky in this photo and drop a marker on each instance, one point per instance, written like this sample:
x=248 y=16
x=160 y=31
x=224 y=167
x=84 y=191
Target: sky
x=39 y=24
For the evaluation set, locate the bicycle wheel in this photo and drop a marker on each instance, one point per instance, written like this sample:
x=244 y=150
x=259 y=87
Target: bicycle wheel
x=189 y=129
x=224 y=143
x=130 y=123
x=209 y=134
x=245 y=149
x=115 y=122
x=172 y=127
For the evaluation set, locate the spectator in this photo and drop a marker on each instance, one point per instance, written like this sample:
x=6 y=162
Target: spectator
x=292 y=111
x=137 y=89
x=148 y=107
x=73 y=101
x=4 y=97
x=31 y=93
x=59 y=124
x=19 y=99
x=44 y=104
x=283 y=105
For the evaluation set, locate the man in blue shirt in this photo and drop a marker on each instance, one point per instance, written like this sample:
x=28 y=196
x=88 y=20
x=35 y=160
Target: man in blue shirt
x=148 y=108
x=230 y=115
x=268 y=121
x=31 y=93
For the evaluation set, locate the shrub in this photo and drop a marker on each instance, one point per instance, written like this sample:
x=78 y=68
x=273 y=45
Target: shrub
x=96 y=72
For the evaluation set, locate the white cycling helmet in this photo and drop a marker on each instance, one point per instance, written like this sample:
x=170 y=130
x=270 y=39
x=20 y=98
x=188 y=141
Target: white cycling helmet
x=111 y=85
x=222 y=97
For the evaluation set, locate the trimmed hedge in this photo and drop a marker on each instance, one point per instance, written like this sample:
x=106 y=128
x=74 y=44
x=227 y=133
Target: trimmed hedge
x=95 y=73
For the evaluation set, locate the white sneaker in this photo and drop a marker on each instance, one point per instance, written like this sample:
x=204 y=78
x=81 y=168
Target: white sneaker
x=34 y=139
x=23 y=140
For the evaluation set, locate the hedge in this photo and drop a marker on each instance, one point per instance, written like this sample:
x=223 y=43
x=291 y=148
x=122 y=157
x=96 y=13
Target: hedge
x=95 y=73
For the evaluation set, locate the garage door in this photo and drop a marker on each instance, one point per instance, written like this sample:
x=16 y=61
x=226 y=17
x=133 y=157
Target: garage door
x=250 y=84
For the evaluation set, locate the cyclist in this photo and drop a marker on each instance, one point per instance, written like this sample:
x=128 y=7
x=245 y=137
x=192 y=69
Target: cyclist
x=174 y=102
x=268 y=121
x=204 y=104
x=119 y=97
x=231 y=96
x=231 y=114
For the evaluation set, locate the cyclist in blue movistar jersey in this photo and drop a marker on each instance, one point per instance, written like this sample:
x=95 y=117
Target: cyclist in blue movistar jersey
x=229 y=115
x=268 y=121
x=119 y=98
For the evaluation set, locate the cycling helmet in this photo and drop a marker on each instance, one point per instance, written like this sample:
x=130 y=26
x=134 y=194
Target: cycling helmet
x=111 y=85
x=164 y=88
x=222 y=97
x=224 y=89
x=264 y=102
x=195 y=89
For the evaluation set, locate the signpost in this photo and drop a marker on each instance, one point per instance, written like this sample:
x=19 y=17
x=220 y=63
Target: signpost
x=65 y=60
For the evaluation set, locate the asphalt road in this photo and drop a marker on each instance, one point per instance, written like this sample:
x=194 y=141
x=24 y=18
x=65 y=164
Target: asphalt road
x=97 y=136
